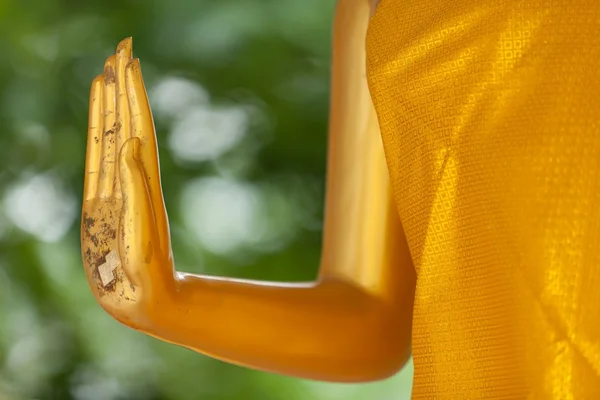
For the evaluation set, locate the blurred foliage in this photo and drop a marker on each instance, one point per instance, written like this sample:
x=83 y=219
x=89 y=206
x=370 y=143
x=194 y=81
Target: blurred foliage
x=239 y=90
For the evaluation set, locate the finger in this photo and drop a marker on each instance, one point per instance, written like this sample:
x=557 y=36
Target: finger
x=107 y=163
x=137 y=236
x=122 y=126
x=94 y=139
x=142 y=127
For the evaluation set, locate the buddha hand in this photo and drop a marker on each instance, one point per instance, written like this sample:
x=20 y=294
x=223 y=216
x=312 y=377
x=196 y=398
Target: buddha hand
x=125 y=239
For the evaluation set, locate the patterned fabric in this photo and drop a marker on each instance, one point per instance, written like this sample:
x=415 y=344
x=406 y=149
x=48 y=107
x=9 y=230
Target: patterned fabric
x=490 y=117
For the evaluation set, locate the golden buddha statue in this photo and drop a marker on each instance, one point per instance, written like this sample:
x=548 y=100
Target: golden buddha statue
x=462 y=212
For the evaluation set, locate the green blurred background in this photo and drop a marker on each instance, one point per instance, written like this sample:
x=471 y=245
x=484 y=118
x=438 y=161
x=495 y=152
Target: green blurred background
x=239 y=91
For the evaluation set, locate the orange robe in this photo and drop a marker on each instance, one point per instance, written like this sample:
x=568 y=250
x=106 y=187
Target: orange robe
x=490 y=117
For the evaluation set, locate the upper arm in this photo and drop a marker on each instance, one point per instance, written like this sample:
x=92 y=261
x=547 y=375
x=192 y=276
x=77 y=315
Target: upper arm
x=363 y=239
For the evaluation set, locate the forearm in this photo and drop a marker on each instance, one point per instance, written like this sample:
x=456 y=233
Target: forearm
x=326 y=331
x=354 y=323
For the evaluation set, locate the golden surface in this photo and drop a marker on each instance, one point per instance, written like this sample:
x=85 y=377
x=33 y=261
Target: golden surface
x=489 y=113
x=490 y=117
x=352 y=324
x=123 y=207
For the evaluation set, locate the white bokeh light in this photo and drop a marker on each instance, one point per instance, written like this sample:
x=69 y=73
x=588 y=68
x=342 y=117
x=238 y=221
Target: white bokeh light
x=199 y=130
x=37 y=205
x=206 y=133
x=221 y=213
x=228 y=216
x=175 y=95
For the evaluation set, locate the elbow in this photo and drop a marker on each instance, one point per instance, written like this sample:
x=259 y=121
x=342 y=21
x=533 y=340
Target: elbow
x=385 y=341
x=394 y=332
x=385 y=353
x=368 y=365
x=375 y=351
x=373 y=361
x=386 y=365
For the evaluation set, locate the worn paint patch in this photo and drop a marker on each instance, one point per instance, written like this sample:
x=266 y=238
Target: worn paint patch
x=109 y=75
x=107 y=270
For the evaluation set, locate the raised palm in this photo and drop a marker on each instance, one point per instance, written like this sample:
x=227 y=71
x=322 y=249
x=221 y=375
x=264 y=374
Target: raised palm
x=124 y=231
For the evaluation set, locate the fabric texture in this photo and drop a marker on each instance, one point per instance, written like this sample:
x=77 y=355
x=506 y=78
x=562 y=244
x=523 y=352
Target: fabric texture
x=490 y=117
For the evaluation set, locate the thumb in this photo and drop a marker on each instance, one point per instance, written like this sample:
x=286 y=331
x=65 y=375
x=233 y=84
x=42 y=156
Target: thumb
x=138 y=244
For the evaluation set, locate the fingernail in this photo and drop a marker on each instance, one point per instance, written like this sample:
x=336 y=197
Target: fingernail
x=136 y=148
x=134 y=64
x=129 y=154
x=125 y=46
